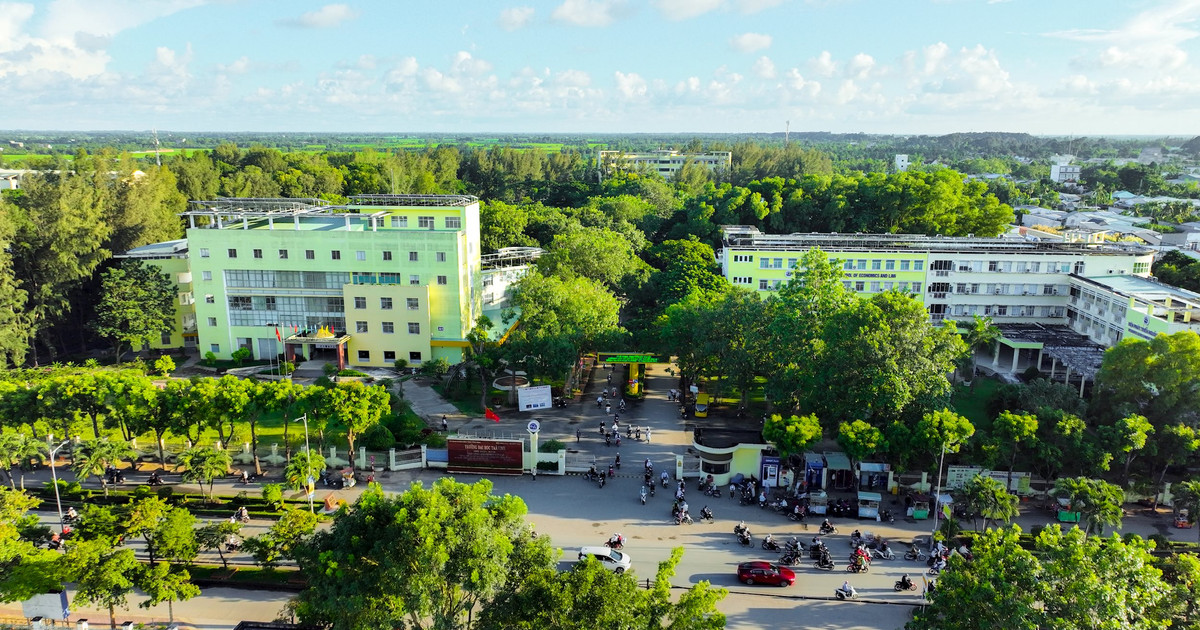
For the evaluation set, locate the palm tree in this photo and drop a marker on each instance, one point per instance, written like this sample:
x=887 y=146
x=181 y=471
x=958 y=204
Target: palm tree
x=204 y=464
x=21 y=449
x=988 y=498
x=93 y=457
x=303 y=465
x=981 y=336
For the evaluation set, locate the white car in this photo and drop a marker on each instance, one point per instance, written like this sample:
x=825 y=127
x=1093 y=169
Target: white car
x=616 y=561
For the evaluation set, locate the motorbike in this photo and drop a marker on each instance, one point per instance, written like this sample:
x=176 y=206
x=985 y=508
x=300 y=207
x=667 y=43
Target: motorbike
x=706 y=514
x=591 y=475
x=615 y=544
x=887 y=516
x=796 y=516
x=560 y=402
x=664 y=480
x=769 y=544
x=883 y=552
x=900 y=586
x=827 y=529
x=824 y=565
x=603 y=480
x=643 y=495
x=789 y=559
x=843 y=595
x=683 y=518
x=611 y=472
x=712 y=491
x=741 y=528
x=858 y=567
x=815 y=551
x=155 y=479
x=914 y=553
x=745 y=539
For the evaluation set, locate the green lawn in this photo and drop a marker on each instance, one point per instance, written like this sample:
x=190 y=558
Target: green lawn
x=972 y=402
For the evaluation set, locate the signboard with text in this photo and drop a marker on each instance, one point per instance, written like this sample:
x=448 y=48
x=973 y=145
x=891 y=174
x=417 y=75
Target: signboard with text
x=534 y=398
x=484 y=456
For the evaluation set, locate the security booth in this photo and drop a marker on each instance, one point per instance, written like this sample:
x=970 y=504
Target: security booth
x=874 y=476
x=1065 y=513
x=921 y=505
x=841 y=474
x=868 y=504
x=818 y=502
x=814 y=472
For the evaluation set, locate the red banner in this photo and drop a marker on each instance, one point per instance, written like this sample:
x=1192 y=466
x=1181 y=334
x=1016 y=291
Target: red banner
x=504 y=457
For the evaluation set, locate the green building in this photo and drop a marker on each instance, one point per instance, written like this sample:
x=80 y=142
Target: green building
x=382 y=278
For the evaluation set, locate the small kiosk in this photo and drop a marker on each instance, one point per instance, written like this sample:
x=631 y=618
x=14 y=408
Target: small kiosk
x=921 y=504
x=868 y=504
x=818 y=502
x=1065 y=513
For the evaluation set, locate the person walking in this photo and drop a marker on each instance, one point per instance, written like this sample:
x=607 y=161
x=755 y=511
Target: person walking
x=647 y=435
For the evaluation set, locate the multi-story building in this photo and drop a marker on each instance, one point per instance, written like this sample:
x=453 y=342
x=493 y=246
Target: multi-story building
x=901 y=163
x=1013 y=281
x=1065 y=172
x=384 y=277
x=665 y=163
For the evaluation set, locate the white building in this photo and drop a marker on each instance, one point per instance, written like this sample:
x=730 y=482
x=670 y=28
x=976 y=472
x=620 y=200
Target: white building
x=1062 y=173
x=901 y=163
x=665 y=163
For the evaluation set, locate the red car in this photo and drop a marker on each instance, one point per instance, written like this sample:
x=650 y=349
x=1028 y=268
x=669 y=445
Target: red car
x=761 y=572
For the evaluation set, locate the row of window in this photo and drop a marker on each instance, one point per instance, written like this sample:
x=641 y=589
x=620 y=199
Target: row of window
x=385 y=303
x=388 y=355
x=336 y=254
x=1008 y=310
x=885 y=265
x=427 y=223
x=271 y=279
x=387 y=328
x=1004 y=266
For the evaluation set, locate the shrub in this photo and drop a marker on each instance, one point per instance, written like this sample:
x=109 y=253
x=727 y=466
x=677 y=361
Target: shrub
x=210 y=358
x=437 y=367
x=547 y=466
x=240 y=355
x=165 y=493
x=405 y=427
x=434 y=440
x=351 y=373
x=142 y=492
x=377 y=438
x=329 y=369
x=273 y=493
x=1161 y=542
x=551 y=446
x=287 y=367
x=164 y=365
x=400 y=364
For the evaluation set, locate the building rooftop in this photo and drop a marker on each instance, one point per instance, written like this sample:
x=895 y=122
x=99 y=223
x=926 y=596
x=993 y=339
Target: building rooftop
x=748 y=236
x=166 y=249
x=1070 y=348
x=1146 y=289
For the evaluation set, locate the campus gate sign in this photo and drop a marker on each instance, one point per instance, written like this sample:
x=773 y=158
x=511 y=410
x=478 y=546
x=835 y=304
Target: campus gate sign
x=485 y=456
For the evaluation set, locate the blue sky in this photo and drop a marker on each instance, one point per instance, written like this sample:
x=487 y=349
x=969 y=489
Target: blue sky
x=882 y=66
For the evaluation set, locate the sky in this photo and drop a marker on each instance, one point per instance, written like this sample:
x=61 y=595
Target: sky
x=1082 y=67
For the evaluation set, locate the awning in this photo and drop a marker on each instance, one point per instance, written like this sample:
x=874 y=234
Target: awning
x=837 y=461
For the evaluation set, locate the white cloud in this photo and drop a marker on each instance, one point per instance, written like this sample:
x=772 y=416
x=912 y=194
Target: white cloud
x=860 y=66
x=241 y=66
x=438 y=82
x=328 y=16
x=588 y=12
x=1150 y=40
x=514 y=18
x=754 y=6
x=630 y=86
x=750 y=42
x=799 y=84
x=685 y=9
x=464 y=63
x=764 y=68
x=823 y=65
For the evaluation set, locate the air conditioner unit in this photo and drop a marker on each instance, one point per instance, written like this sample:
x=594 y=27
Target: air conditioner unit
x=999 y=291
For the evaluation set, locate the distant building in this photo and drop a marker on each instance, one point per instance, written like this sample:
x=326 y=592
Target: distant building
x=1062 y=173
x=901 y=163
x=665 y=163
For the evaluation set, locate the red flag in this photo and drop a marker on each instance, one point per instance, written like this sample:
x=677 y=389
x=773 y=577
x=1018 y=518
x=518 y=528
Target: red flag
x=490 y=415
x=277 y=335
x=295 y=329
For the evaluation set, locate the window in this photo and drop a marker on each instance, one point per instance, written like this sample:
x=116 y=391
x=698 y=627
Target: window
x=413 y=303
x=764 y=263
x=1141 y=267
x=743 y=280
x=310 y=254
x=412 y=257
x=887 y=286
x=876 y=265
x=890 y=266
x=918 y=265
x=210 y=299
x=232 y=253
x=360 y=255
x=165 y=339
x=860 y=286
x=849 y=264
x=360 y=302
x=762 y=285
x=791 y=263
x=387 y=255
x=862 y=264
x=258 y=253
x=215 y=347
x=388 y=327
x=441 y=256
x=1007 y=266
x=453 y=223
x=212 y=321
x=389 y=355
x=364 y=355
x=335 y=254
x=414 y=356
x=204 y=252
x=241 y=303
x=743 y=258
x=283 y=254
x=875 y=287
x=399 y=222
x=414 y=328
x=414 y=279
x=206 y=275
x=904 y=265
x=360 y=327
x=385 y=303
x=846 y=284
x=904 y=287
x=269 y=303
x=441 y=279
x=425 y=223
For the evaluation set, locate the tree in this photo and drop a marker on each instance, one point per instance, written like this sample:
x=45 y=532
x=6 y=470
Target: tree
x=1098 y=502
x=164 y=365
x=860 y=440
x=163 y=583
x=578 y=309
x=356 y=408
x=583 y=598
x=988 y=498
x=21 y=451
x=421 y=559
x=213 y=535
x=1159 y=379
x=1009 y=431
x=284 y=540
x=1129 y=436
x=103 y=575
x=91 y=458
x=14 y=337
x=982 y=335
x=792 y=435
x=137 y=305
x=1175 y=443
x=204 y=464
x=26 y=569
x=304 y=465
x=1187 y=497
x=943 y=429
x=600 y=254
x=1181 y=606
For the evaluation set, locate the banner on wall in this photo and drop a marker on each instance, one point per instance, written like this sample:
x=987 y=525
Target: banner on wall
x=534 y=398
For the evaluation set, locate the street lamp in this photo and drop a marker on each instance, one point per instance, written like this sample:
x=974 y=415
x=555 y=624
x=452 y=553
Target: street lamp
x=308 y=480
x=54 y=476
x=937 y=509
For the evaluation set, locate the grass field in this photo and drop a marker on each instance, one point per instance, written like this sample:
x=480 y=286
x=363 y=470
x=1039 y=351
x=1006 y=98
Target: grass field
x=972 y=402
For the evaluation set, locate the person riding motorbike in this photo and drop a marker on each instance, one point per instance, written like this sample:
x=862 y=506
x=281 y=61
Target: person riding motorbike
x=769 y=543
x=706 y=513
x=906 y=583
x=71 y=514
x=616 y=541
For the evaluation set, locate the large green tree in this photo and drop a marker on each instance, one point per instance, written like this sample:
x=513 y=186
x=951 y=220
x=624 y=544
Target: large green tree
x=204 y=464
x=26 y=569
x=137 y=305
x=792 y=435
x=422 y=559
x=1097 y=501
x=103 y=575
x=14 y=336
